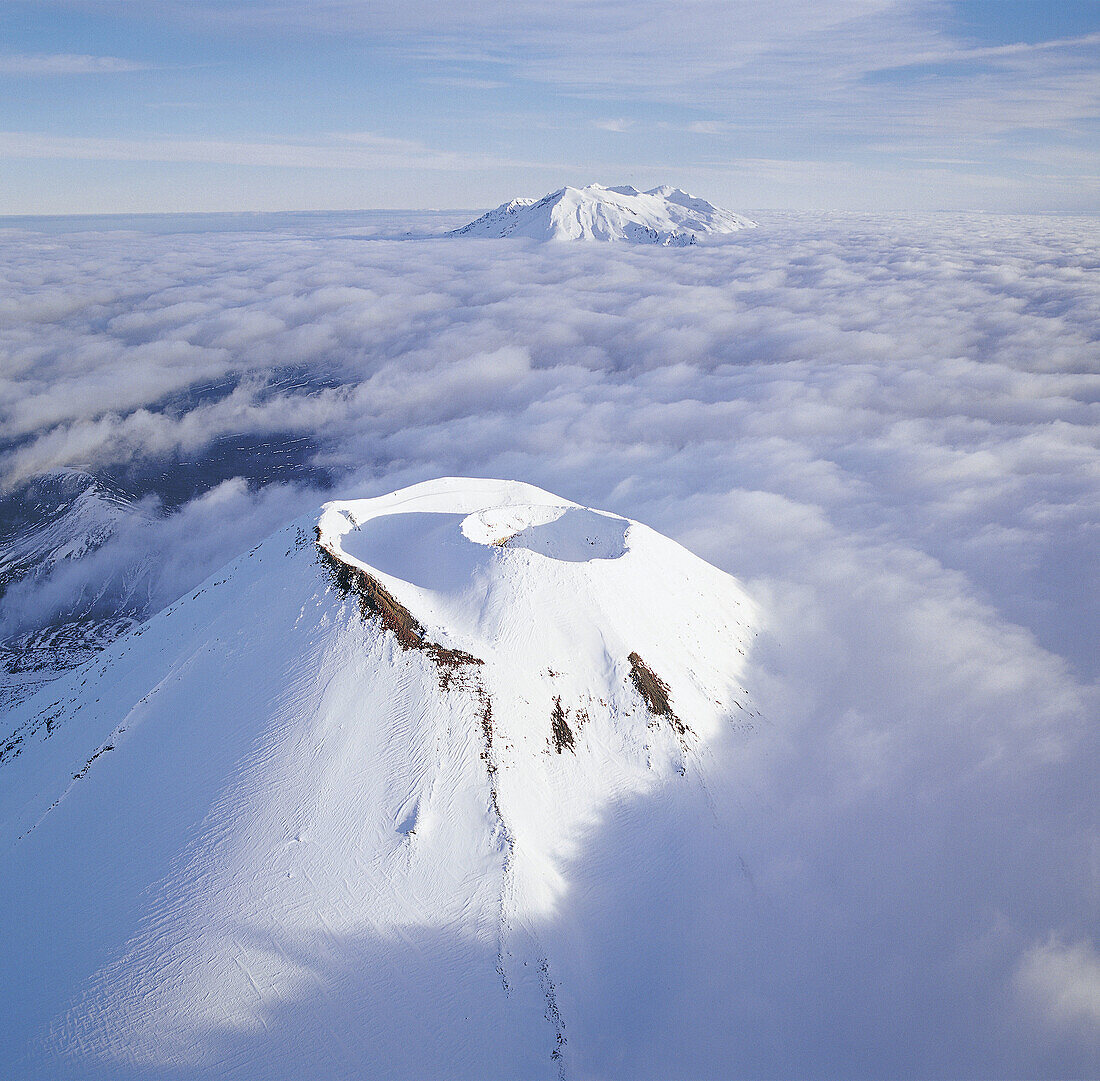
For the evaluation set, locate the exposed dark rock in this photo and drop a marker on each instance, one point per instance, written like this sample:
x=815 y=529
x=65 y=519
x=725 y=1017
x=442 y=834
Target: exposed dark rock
x=561 y=735
x=654 y=692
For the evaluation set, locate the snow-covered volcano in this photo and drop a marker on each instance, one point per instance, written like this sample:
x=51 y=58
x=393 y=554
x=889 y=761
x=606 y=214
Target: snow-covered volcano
x=386 y=796
x=662 y=215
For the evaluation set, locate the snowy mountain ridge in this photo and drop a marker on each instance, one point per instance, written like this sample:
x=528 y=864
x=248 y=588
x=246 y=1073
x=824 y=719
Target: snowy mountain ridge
x=662 y=215
x=55 y=520
x=350 y=791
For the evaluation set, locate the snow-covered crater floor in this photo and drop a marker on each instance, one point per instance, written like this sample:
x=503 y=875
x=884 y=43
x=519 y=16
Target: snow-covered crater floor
x=439 y=549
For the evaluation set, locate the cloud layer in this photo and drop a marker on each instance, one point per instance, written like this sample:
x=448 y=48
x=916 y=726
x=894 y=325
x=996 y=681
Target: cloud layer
x=887 y=426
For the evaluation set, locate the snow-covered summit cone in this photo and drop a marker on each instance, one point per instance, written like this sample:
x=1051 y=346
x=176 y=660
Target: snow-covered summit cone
x=663 y=215
x=380 y=798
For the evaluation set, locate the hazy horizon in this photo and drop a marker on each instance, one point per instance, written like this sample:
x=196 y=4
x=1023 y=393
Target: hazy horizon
x=227 y=105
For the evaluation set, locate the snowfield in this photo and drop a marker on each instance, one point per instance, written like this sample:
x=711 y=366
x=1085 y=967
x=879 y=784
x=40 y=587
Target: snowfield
x=334 y=813
x=664 y=215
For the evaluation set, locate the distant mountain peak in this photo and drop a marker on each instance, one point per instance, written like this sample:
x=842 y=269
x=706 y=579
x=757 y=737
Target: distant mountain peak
x=663 y=215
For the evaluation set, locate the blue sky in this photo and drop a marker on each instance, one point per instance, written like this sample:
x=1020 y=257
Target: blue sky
x=129 y=105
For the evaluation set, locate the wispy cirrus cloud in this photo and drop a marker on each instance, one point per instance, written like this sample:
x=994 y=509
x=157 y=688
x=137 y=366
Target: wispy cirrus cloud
x=613 y=124
x=66 y=64
x=1061 y=981
x=703 y=83
x=465 y=82
x=954 y=53
x=351 y=150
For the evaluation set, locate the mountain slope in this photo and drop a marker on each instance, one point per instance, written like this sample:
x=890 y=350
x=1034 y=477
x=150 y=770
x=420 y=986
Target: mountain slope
x=663 y=215
x=342 y=811
x=45 y=527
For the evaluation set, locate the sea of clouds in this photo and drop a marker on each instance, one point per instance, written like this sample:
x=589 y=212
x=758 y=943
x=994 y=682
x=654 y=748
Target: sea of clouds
x=888 y=427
